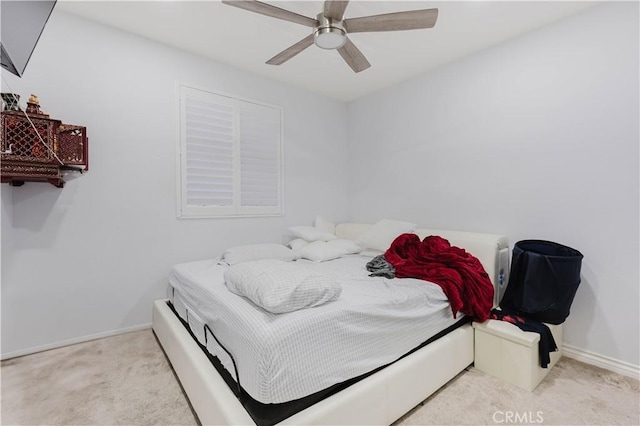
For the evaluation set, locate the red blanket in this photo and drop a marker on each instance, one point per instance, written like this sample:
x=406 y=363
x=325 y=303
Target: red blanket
x=460 y=274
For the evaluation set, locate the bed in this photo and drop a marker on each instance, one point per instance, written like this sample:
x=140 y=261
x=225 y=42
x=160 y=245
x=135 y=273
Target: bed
x=380 y=396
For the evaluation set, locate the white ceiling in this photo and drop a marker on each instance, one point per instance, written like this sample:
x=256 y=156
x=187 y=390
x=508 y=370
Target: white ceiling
x=246 y=40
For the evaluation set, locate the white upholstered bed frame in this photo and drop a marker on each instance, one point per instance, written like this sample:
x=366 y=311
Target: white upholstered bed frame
x=380 y=398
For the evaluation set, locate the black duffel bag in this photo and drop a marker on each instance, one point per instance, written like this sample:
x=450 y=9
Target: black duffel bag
x=543 y=280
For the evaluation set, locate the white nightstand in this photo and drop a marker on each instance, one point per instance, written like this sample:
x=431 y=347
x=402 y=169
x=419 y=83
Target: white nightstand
x=506 y=352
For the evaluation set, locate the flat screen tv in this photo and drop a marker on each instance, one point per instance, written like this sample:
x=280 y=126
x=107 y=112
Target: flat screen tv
x=21 y=23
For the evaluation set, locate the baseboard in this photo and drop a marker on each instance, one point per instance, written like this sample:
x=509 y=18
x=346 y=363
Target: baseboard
x=611 y=364
x=83 y=339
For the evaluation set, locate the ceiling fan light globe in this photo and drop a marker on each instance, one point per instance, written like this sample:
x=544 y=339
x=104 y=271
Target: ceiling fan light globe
x=330 y=38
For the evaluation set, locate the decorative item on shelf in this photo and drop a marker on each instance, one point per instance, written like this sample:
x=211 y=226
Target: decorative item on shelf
x=37 y=148
x=10 y=101
x=33 y=106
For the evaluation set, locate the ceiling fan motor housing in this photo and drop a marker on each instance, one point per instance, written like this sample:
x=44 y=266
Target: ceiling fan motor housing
x=329 y=34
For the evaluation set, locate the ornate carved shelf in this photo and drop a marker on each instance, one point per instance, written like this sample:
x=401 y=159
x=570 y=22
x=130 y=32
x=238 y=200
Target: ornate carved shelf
x=26 y=159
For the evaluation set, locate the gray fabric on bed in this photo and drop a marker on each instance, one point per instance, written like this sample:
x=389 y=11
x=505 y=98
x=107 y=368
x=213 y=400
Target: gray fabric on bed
x=380 y=267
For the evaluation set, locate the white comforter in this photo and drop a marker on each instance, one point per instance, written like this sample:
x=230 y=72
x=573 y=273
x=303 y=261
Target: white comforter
x=281 y=357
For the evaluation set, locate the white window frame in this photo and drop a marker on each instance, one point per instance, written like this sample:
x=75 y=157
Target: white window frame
x=236 y=210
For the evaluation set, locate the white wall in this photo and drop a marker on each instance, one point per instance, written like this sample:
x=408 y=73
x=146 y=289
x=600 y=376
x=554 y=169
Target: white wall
x=90 y=258
x=536 y=138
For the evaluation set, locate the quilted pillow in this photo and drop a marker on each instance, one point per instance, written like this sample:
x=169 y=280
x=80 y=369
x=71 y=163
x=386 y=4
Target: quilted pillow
x=279 y=287
x=381 y=235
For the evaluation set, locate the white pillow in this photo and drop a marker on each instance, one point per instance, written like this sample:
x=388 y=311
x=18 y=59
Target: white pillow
x=348 y=246
x=280 y=286
x=324 y=225
x=310 y=233
x=321 y=251
x=250 y=252
x=297 y=244
x=381 y=235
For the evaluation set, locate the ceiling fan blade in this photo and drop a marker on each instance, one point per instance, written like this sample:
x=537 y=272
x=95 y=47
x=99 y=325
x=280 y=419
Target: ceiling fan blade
x=273 y=11
x=335 y=9
x=353 y=56
x=292 y=51
x=409 y=20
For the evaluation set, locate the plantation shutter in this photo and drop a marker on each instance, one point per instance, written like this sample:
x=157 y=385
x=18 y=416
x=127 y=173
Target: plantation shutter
x=209 y=152
x=230 y=156
x=259 y=156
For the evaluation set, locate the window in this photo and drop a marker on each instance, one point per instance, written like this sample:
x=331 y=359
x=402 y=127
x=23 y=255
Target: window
x=230 y=156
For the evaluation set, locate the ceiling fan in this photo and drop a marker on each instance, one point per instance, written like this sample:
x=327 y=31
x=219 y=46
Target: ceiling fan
x=330 y=29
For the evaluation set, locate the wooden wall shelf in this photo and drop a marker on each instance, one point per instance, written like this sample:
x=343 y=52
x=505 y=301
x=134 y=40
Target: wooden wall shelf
x=24 y=158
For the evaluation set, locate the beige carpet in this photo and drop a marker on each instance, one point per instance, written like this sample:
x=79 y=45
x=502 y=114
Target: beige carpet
x=121 y=380
x=126 y=380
